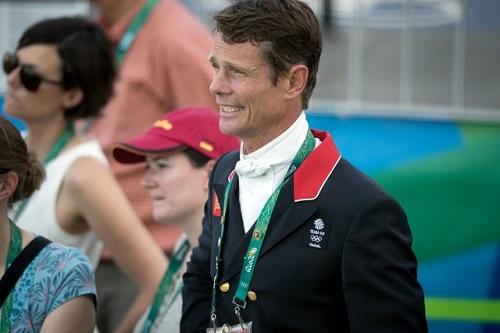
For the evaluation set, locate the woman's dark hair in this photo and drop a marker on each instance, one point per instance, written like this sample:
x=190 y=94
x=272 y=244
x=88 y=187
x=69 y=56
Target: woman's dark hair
x=86 y=56
x=196 y=158
x=287 y=31
x=14 y=156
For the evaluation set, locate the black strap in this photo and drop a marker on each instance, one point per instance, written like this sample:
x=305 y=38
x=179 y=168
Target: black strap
x=16 y=269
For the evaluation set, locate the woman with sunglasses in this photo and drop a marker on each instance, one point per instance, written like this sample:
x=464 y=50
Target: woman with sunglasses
x=62 y=71
x=56 y=291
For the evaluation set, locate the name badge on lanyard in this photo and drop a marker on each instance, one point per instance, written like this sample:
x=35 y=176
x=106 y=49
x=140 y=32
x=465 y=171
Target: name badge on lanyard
x=238 y=328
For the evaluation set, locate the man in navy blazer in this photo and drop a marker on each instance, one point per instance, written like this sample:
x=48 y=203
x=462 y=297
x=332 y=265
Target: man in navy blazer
x=295 y=239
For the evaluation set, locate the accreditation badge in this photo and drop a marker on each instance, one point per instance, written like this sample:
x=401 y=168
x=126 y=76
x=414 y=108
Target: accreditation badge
x=226 y=328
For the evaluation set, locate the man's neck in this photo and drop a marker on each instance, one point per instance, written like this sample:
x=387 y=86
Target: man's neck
x=250 y=145
x=113 y=11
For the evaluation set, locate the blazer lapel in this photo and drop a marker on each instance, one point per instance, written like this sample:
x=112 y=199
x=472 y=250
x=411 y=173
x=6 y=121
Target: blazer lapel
x=235 y=241
x=287 y=217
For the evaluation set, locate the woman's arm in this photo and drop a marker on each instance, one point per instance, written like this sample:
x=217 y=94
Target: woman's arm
x=94 y=192
x=74 y=316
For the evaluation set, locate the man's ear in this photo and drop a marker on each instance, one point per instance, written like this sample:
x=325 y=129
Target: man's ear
x=8 y=184
x=72 y=98
x=297 y=80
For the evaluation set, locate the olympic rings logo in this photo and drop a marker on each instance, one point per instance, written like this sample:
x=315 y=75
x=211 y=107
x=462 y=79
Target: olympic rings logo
x=316 y=239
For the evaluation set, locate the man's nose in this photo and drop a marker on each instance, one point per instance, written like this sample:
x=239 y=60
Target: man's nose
x=219 y=84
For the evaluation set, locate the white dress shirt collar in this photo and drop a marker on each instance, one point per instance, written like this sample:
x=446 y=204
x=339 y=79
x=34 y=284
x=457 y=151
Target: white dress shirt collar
x=261 y=171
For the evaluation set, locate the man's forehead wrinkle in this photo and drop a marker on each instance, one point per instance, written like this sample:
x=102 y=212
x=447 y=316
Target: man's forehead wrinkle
x=219 y=56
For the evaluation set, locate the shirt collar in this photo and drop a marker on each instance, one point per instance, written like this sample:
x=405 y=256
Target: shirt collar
x=280 y=151
x=313 y=173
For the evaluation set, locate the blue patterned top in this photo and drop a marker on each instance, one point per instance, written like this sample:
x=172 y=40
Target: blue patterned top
x=57 y=275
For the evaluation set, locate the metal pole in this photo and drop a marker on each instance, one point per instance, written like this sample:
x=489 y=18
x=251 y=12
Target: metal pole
x=327 y=14
x=458 y=69
x=406 y=63
x=355 y=65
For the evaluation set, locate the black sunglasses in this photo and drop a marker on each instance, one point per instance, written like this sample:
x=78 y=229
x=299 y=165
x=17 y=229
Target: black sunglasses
x=30 y=78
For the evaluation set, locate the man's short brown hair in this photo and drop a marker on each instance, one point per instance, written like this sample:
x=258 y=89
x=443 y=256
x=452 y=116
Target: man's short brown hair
x=287 y=31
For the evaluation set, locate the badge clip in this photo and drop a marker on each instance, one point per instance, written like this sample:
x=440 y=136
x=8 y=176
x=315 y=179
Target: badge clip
x=238 y=303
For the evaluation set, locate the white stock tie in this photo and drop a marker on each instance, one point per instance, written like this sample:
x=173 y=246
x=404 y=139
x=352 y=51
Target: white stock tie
x=251 y=168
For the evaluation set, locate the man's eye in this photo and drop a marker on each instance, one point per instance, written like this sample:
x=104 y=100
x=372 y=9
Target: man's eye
x=236 y=71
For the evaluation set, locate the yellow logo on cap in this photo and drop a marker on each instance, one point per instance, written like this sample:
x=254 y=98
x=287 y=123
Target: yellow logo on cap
x=165 y=124
x=207 y=146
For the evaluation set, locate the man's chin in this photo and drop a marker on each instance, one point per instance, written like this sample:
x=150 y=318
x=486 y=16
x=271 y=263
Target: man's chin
x=228 y=129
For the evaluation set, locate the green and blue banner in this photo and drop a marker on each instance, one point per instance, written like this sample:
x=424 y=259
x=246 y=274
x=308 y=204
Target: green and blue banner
x=446 y=175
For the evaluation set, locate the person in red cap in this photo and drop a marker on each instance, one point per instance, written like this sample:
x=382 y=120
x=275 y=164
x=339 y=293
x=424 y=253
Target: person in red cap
x=179 y=150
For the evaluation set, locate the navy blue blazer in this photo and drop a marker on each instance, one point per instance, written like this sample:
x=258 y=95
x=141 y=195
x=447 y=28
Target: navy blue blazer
x=337 y=256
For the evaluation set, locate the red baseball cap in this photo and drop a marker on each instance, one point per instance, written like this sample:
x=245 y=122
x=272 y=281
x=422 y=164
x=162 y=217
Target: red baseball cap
x=193 y=127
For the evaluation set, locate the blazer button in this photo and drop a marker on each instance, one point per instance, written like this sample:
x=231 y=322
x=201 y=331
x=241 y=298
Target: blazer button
x=224 y=287
x=252 y=296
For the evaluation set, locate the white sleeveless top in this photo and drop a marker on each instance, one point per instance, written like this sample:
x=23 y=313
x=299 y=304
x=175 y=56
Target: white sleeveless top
x=39 y=215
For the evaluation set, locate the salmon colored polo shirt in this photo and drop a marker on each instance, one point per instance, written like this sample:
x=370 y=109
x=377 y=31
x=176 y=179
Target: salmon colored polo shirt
x=166 y=68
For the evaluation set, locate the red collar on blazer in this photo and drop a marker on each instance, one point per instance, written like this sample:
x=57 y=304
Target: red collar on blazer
x=311 y=176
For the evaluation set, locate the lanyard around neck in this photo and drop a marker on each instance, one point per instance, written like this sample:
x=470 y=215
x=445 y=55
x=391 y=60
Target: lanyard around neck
x=259 y=233
x=15 y=245
x=54 y=151
x=166 y=287
x=133 y=29
x=60 y=143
